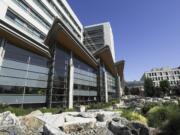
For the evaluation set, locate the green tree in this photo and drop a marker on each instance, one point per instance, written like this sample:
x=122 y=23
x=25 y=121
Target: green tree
x=126 y=90
x=165 y=86
x=149 y=87
x=158 y=92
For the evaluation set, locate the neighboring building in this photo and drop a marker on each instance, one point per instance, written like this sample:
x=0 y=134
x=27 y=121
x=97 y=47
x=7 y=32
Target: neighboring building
x=166 y=73
x=135 y=85
x=98 y=36
x=43 y=59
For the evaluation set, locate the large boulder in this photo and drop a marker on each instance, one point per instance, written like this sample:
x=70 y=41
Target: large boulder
x=36 y=113
x=101 y=124
x=57 y=120
x=11 y=130
x=167 y=98
x=140 y=128
x=74 y=124
x=121 y=126
x=10 y=124
x=50 y=130
x=105 y=116
x=75 y=114
x=87 y=114
x=31 y=124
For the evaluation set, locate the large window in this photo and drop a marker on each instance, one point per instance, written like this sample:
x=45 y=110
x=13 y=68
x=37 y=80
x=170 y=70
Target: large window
x=111 y=85
x=18 y=78
x=23 y=24
x=21 y=55
x=19 y=90
x=85 y=82
x=21 y=67
x=94 y=31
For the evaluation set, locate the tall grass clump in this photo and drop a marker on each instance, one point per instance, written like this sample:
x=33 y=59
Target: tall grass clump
x=134 y=116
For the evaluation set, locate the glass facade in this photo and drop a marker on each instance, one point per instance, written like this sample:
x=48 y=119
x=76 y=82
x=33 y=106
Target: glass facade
x=111 y=85
x=15 y=65
x=48 y=74
x=23 y=69
x=60 y=82
x=85 y=82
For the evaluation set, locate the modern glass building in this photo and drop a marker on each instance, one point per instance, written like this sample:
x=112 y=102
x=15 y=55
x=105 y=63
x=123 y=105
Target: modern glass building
x=44 y=60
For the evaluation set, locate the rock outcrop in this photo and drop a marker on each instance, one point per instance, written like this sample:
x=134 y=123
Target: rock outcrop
x=93 y=122
x=121 y=126
x=10 y=124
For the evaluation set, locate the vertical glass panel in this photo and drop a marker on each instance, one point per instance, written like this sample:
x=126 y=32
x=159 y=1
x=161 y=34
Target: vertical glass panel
x=60 y=90
x=85 y=79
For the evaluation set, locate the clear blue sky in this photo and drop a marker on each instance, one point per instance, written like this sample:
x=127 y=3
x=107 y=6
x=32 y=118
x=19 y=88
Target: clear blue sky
x=146 y=32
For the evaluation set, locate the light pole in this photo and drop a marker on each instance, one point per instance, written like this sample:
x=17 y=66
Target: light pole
x=26 y=79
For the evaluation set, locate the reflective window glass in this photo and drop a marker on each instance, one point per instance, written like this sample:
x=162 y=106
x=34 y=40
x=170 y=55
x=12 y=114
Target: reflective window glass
x=15 y=53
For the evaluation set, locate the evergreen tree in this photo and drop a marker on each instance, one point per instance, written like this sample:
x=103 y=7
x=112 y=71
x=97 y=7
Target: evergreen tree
x=149 y=87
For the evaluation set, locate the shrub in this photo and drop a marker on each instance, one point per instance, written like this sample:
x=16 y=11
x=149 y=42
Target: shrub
x=130 y=115
x=147 y=107
x=156 y=116
x=159 y=115
x=172 y=127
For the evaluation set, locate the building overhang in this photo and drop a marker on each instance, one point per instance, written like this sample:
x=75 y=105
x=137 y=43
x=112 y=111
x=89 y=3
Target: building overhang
x=63 y=36
x=19 y=39
x=105 y=56
x=120 y=68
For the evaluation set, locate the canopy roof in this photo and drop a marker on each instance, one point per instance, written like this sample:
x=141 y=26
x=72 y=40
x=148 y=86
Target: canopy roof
x=105 y=55
x=120 y=68
x=61 y=34
x=16 y=37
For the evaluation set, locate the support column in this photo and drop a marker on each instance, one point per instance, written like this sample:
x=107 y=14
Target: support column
x=99 y=84
x=106 y=87
x=2 y=51
x=71 y=83
x=119 y=87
